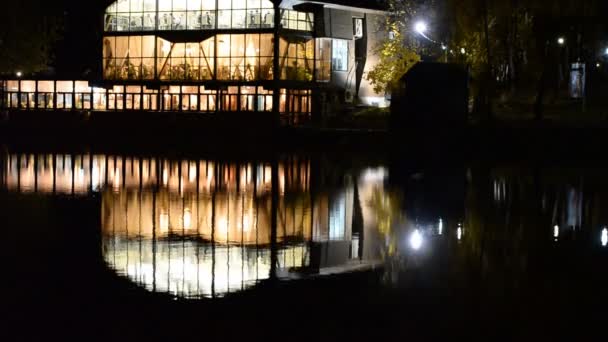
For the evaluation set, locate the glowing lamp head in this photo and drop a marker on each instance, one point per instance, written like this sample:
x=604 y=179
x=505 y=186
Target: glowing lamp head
x=604 y=237
x=556 y=231
x=606 y=52
x=420 y=27
x=416 y=240
x=463 y=51
x=19 y=73
x=561 y=40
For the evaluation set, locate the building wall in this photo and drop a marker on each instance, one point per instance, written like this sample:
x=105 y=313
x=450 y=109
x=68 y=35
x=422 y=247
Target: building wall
x=375 y=35
x=338 y=24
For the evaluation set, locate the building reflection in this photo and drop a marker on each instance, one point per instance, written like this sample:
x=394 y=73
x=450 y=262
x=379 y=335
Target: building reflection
x=203 y=228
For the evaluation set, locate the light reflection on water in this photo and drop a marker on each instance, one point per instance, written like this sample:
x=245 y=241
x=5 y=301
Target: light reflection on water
x=205 y=228
x=202 y=228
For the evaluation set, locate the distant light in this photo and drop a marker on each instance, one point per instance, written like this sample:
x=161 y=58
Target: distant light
x=443 y=47
x=463 y=51
x=561 y=40
x=19 y=73
x=598 y=65
x=556 y=231
x=459 y=232
x=606 y=51
x=416 y=240
x=440 y=229
x=604 y=237
x=420 y=27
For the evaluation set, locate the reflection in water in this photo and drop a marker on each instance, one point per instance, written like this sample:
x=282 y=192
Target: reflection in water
x=205 y=228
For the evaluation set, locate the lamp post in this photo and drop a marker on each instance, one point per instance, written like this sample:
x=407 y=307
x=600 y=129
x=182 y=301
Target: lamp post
x=421 y=28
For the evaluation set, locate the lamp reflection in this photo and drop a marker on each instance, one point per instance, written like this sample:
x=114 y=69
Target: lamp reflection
x=416 y=240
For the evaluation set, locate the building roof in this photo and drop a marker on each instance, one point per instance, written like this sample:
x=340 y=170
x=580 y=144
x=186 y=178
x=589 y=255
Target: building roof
x=374 y=6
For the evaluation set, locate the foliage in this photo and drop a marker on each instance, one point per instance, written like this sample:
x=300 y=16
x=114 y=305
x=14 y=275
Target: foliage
x=521 y=37
x=395 y=60
x=28 y=31
x=400 y=49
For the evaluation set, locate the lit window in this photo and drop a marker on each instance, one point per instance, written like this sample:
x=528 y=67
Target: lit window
x=358 y=28
x=339 y=55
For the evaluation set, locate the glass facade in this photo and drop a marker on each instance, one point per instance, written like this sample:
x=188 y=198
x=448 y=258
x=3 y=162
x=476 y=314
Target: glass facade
x=177 y=15
x=339 y=58
x=78 y=95
x=294 y=20
x=297 y=59
x=226 y=68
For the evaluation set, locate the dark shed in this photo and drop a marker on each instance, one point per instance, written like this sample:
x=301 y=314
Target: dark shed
x=431 y=95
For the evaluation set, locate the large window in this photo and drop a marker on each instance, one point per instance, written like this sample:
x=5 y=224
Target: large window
x=245 y=14
x=340 y=55
x=323 y=62
x=297 y=59
x=294 y=20
x=244 y=57
x=185 y=61
x=128 y=58
x=240 y=57
x=131 y=15
x=144 y=15
x=186 y=14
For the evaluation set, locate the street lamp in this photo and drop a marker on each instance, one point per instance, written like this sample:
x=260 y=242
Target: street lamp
x=420 y=27
x=19 y=74
x=561 y=40
x=606 y=52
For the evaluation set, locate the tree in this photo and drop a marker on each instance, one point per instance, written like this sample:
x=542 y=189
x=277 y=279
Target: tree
x=28 y=32
x=401 y=48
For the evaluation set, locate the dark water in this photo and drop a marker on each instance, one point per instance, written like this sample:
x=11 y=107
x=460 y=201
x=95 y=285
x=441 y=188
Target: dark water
x=299 y=246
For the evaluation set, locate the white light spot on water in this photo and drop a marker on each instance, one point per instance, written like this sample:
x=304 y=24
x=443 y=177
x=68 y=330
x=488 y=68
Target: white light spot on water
x=416 y=240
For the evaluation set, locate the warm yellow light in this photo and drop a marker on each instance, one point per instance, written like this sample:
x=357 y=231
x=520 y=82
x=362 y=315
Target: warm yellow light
x=187 y=219
x=164 y=223
x=165 y=177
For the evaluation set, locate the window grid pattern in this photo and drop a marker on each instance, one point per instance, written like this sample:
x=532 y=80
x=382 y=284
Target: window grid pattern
x=294 y=20
x=244 y=57
x=297 y=60
x=128 y=58
x=148 y=15
x=339 y=60
x=185 y=61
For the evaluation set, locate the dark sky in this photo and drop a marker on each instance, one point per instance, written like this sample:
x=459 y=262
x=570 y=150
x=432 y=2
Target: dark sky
x=80 y=49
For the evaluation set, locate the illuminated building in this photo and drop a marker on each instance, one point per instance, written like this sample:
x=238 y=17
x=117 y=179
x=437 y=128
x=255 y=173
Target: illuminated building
x=289 y=58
